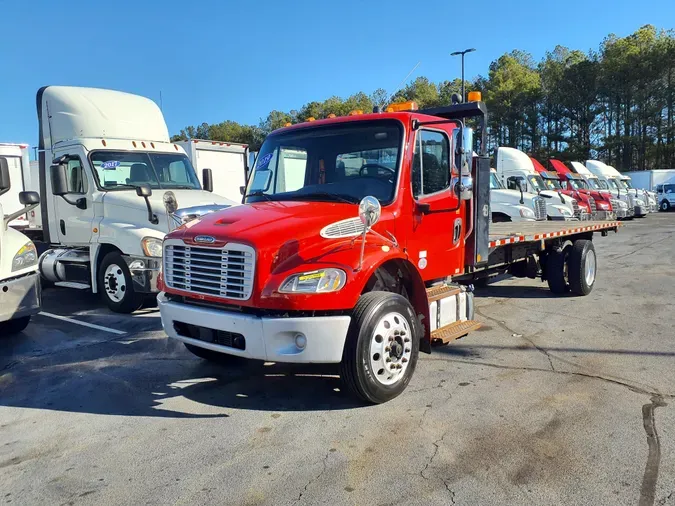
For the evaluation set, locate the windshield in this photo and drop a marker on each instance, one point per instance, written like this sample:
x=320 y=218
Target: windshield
x=552 y=184
x=626 y=184
x=120 y=170
x=332 y=163
x=669 y=188
x=537 y=182
x=613 y=184
x=577 y=184
x=494 y=182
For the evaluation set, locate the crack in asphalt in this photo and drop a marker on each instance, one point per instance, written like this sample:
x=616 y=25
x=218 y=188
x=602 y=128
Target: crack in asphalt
x=651 y=475
x=642 y=246
x=446 y=482
x=667 y=498
x=323 y=470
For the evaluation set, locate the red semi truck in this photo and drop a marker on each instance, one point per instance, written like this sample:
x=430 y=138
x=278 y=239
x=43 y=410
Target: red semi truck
x=357 y=244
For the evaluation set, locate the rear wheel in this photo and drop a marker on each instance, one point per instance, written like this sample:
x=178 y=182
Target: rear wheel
x=116 y=286
x=556 y=271
x=212 y=356
x=14 y=326
x=382 y=347
x=665 y=206
x=582 y=267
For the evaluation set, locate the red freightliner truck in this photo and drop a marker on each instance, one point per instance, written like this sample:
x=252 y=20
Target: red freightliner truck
x=357 y=244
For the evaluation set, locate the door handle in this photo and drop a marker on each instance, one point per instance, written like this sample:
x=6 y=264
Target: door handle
x=62 y=224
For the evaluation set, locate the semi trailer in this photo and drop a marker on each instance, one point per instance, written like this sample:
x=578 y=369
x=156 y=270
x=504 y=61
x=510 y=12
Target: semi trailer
x=363 y=267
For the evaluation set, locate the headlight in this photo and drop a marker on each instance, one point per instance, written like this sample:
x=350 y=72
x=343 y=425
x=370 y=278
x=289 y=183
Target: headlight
x=319 y=281
x=26 y=257
x=527 y=213
x=152 y=246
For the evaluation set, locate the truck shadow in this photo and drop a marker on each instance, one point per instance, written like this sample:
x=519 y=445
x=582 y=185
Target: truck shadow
x=516 y=292
x=147 y=376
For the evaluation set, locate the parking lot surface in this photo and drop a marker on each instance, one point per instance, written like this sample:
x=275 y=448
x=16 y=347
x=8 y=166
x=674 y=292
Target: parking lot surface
x=554 y=401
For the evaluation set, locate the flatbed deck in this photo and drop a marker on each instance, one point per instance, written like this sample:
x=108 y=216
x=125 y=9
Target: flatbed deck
x=528 y=231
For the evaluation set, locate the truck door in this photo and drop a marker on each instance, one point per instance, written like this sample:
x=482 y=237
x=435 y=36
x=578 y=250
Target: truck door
x=74 y=221
x=435 y=242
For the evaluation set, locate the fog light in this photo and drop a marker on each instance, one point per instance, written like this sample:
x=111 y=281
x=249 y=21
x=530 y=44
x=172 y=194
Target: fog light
x=300 y=341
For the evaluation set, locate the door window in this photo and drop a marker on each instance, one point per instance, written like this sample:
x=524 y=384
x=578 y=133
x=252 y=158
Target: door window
x=77 y=181
x=513 y=182
x=431 y=163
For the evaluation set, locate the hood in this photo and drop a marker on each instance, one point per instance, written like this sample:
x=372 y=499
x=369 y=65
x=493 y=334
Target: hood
x=550 y=195
x=129 y=201
x=511 y=197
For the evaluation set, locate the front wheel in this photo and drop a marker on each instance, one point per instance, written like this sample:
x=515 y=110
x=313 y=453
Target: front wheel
x=116 y=286
x=382 y=347
x=665 y=206
x=14 y=326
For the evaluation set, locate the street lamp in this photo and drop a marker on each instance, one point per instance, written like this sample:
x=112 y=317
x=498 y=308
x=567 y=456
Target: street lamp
x=457 y=53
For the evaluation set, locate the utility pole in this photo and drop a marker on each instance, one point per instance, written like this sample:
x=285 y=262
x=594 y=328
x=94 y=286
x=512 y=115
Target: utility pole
x=462 y=53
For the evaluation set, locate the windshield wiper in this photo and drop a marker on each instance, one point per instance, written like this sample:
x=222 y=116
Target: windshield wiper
x=125 y=185
x=258 y=193
x=340 y=197
x=178 y=187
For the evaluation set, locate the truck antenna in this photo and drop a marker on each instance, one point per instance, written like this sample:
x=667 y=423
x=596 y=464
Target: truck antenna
x=402 y=82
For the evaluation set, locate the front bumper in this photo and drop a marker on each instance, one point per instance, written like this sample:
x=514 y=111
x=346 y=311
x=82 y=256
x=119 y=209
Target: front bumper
x=266 y=338
x=144 y=272
x=641 y=211
x=601 y=215
x=20 y=296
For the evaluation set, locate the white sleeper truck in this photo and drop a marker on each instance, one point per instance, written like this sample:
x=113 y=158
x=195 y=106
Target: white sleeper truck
x=228 y=162
x=112 y=186
x=19 y=278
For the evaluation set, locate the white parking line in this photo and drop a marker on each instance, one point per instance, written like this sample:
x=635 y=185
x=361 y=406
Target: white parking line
x=84 y=324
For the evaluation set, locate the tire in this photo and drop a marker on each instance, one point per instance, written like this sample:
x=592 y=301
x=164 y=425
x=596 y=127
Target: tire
x=212 y=356
x=14 y=326
x=555 y=271
x=500 y=218
x=582 y=267
x=369 y=365
x=116 y=286
x=665 y=206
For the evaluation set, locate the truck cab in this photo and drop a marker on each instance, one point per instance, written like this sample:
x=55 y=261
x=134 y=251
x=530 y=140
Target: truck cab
x=647 y=197
x=113 y=186
x=20 y=295
x=514 y=205
x=570 y=180
x=665 y=193
x=636 y=206
x=587 y=205
x=18 y=163
x=514 y=168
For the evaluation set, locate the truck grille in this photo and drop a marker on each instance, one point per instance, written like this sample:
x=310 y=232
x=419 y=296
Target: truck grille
x=222 y=272
x=576 y=208
x=539 y=208
x=592 y=205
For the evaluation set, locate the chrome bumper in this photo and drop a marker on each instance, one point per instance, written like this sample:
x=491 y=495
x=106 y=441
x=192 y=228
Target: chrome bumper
x=144 y=272
x=20 y=296
x=255 y=337
x=641 y=211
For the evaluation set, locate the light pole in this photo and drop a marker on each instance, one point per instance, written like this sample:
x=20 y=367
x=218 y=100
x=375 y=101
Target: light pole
x=457 y=53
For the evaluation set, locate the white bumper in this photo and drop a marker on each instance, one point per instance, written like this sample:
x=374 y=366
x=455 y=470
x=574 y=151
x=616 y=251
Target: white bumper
x=267 y=338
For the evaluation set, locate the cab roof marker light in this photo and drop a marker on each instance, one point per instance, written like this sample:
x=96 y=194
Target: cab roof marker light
x=153 y=145
x=355 y=112
x=474 y=96
x=287 y=124
x=175 y=147
x=134 y=143
x=103 y=142
x=410 y=105
x=311 y=118
x=331 y=115
x=143 y=144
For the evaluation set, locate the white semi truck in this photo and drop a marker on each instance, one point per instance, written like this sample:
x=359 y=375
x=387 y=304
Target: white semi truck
x=19 y=278
x=649 y=197
x=514 y=205
x=228 y=162
x=18 y=162
x=112 y=185
x=514 y=168
x=609 y=175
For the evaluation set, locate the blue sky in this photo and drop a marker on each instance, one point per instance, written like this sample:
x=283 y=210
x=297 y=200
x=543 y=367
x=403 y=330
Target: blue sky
x=217 y=60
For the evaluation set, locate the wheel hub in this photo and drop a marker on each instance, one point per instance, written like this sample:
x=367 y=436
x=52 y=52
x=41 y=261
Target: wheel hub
x=115 y=283
x=390 y=348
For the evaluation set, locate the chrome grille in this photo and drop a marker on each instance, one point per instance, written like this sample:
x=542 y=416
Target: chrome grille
x=592 y=205
x=222 y=272
x=576 y=209
x=539 y=208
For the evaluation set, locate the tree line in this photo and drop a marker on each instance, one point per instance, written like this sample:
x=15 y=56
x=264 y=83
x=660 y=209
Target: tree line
x=616 y=103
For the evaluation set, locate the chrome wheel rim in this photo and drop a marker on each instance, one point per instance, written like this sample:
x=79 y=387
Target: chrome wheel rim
x=115 y=283
x=390 y=348
x=589 y=268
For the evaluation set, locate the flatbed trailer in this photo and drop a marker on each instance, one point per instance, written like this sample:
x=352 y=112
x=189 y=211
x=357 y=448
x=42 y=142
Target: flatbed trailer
x=502 y=234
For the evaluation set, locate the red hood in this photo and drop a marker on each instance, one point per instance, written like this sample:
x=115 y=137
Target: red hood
x=560 y=167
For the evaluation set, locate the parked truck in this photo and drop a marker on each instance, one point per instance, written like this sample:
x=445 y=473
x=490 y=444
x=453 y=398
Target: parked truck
x=17 y=158
x=650 y=179
x=607 y=208
x=601 y=185
x=514 y=168
x=514 y=205
x=19 y=278
x=647 y=196
x=609 y=175
x=112 y=186
x=228 y=162
x=365 y=268
x=587 y=206
x=665 y=193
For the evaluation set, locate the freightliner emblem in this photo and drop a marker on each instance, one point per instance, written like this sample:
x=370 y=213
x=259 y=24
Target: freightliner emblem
x=205 y=239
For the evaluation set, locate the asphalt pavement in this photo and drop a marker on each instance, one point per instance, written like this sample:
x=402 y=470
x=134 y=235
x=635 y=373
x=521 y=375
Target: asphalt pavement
x=554 y=401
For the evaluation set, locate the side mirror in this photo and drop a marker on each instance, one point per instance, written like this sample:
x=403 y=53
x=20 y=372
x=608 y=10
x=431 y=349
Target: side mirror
x=59 y=177
x=466 y=156
x=143 y=190
x=522 y=185
x=242 y=189
x=207 y=177
x=466 y=188
x=369 y=211
x=29 y=198
x=4 y=175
